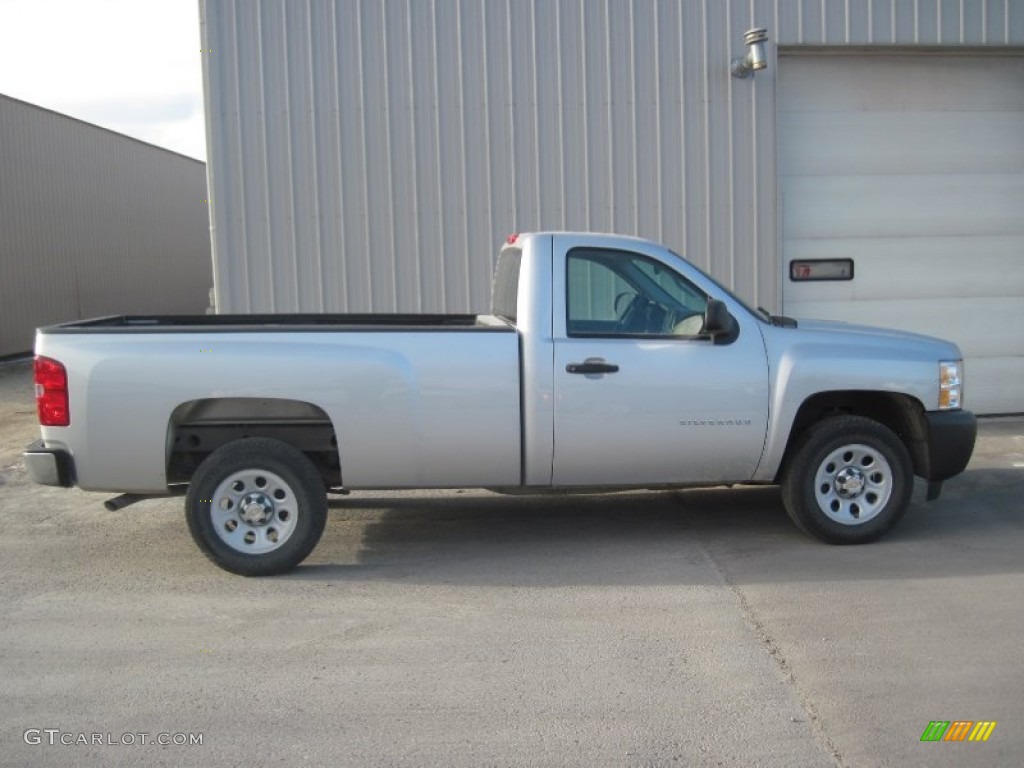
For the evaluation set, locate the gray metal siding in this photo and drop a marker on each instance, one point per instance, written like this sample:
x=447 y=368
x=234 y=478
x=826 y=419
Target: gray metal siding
x=371 y=156
x=94 y=223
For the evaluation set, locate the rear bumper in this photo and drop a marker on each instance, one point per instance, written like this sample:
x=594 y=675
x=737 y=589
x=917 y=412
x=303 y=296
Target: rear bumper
x=951 y=436
x=49 y=466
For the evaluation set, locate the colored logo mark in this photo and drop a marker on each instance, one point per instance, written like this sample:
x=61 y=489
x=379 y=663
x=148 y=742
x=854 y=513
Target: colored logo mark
x=958 y=730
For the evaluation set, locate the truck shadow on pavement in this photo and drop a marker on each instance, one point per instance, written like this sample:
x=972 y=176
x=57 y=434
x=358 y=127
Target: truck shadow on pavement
x=739 y=535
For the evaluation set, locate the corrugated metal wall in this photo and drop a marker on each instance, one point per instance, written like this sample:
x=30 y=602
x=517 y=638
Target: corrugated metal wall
x=371 y=156
x=94 y=223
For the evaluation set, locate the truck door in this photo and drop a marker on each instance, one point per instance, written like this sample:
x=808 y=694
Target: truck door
x=641 y=397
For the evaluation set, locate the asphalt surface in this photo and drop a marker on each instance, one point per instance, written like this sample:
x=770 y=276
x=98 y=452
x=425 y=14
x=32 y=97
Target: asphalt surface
x=694 y=628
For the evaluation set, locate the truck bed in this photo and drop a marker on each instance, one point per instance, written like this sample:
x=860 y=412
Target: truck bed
x=271 y=323
x=413 y=400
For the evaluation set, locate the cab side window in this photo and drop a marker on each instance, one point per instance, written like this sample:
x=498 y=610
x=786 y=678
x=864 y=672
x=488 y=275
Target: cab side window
x=617 y=293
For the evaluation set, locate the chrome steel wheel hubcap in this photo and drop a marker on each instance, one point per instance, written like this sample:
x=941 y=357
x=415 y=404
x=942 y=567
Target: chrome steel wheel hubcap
x=850 y=482
x=254 y=511
x=853 y=484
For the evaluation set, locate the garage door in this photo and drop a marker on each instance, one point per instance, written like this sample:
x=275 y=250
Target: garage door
x=911 y=167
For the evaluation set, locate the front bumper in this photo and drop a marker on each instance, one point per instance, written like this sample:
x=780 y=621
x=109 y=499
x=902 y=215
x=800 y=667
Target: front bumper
x=49 y=466
x=951 y=436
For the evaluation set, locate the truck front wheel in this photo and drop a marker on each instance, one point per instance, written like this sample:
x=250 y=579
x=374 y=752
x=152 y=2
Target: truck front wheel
x=256 y=507
x=848 y=480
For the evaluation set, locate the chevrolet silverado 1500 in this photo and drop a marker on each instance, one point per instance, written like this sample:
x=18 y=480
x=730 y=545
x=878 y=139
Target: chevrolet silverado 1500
x=607 y=363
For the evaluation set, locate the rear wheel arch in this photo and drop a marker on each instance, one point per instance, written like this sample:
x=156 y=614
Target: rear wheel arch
x=197 y=428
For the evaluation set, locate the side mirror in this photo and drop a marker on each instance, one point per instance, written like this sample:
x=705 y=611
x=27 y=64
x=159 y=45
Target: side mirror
x=719 y=324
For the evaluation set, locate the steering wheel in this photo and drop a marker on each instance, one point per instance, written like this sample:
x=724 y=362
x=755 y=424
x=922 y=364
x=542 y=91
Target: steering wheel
x=636 y=318
x=623 y=302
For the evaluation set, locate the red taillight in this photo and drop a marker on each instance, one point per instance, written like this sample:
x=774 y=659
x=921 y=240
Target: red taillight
x=511 y=239
x=52 y=393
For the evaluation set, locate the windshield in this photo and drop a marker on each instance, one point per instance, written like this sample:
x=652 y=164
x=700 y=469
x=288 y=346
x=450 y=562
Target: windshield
x=761 y=314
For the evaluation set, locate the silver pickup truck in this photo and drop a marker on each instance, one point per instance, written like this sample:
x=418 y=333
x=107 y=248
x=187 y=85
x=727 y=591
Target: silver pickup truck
x=607 y=363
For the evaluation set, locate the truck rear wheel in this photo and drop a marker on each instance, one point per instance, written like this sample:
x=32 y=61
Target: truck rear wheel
x=848 y=480
x=256 y=507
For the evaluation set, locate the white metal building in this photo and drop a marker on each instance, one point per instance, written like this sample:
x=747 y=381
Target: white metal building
x=371 y=155
x=93 y=222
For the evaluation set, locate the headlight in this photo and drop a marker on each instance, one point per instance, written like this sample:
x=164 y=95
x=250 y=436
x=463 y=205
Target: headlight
x=951 y=383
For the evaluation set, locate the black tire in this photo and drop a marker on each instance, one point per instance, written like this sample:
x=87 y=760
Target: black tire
x=256 y=507
x=848 y=480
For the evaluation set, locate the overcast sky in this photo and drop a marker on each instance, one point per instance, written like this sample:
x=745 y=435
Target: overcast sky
x=129 y=65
